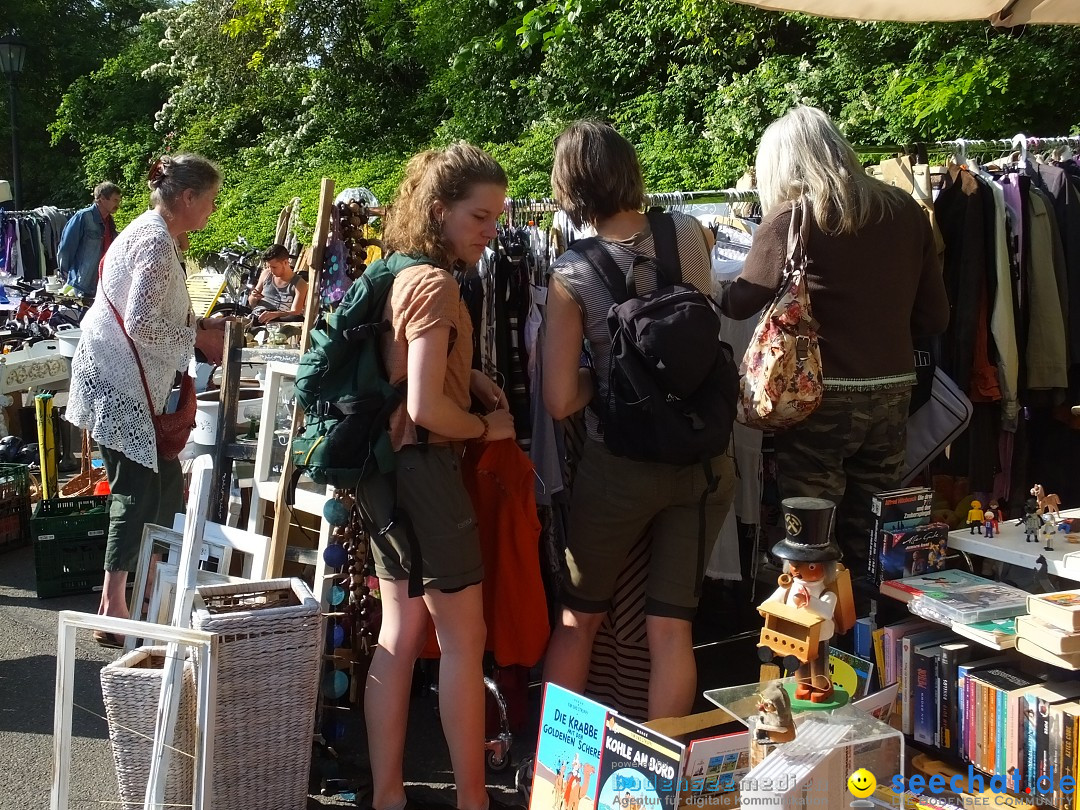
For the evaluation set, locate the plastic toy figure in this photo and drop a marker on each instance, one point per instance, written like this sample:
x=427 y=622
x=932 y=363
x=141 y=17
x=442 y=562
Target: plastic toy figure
x=975 y=517
x=1031 y=520
x=799 y=615
x=1047 y=503
x=990 y=523
x=999 y=513
x=1048 y=530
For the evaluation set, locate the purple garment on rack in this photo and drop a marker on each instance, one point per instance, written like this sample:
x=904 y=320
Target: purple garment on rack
x=8 y=242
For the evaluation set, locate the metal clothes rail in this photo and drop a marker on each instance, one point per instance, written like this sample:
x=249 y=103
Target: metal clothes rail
x=525 y=205
x=962 y=145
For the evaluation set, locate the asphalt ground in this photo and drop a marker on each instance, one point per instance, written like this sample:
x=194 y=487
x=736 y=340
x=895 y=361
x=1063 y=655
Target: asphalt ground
x=28 y=645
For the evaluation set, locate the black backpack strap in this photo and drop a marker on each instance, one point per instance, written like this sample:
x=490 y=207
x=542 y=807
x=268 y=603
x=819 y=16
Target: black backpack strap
x=713 y=481
x=605 y=266
x=666 y=245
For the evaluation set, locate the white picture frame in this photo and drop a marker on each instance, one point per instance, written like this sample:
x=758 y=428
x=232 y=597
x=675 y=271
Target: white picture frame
x=205 y=644
x=232 y=539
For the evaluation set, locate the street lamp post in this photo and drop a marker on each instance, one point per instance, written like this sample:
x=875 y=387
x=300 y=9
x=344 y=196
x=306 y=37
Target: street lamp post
x=12 y=56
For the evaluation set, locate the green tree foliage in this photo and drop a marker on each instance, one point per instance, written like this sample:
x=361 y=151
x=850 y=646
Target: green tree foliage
x=66 y=40
x=284 y=92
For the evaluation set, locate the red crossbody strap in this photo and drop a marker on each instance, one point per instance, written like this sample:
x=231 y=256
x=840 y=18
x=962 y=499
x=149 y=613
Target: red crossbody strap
x=134 y=351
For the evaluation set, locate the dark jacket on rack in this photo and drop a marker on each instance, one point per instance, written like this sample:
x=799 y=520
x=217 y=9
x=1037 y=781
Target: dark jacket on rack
x=871 y=292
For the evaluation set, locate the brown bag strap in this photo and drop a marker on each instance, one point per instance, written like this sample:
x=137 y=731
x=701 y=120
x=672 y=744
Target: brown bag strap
x=134 y=351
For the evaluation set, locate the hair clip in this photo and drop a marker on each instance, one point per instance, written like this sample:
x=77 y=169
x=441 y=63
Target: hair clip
x=157 y=171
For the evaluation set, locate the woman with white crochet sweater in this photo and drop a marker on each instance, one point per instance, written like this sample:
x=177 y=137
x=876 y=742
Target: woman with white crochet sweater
x=142 y=305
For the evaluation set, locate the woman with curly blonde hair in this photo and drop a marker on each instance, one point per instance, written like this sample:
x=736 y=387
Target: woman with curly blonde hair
x=444 y=214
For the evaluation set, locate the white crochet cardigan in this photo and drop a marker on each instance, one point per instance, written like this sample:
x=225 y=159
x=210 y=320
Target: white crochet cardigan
x=144 y=280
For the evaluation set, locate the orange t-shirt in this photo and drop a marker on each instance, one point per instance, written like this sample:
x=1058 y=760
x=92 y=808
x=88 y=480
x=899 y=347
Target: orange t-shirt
x=425 y=297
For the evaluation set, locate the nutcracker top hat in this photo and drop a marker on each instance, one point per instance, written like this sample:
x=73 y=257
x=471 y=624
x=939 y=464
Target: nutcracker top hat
x=808 y=526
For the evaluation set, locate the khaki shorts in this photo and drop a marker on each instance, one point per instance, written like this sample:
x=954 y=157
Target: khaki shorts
x=138 y=496
x=431 y=493
x=615 y=501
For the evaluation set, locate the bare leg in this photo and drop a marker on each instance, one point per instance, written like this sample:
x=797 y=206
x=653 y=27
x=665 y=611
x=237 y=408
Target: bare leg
x=459 y=625
x=386 y=694
x=673 y=669
x=113 y=601
x=566 y=661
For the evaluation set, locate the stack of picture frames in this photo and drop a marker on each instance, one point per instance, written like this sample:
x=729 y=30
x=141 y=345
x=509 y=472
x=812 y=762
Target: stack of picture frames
x=223 y=549
x=180 y=640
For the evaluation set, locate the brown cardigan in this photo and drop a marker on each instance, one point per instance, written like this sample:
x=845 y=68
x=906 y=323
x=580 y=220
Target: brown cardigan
x=871 y=292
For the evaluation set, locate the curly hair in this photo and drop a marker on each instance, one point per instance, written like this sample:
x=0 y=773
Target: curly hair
x=445 y=175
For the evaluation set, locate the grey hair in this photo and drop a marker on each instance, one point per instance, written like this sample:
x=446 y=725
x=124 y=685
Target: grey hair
x=105 y=191
x=172 y=175
x=803 y=153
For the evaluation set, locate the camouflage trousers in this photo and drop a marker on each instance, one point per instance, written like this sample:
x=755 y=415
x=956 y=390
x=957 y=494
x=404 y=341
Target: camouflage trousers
x=847 y=450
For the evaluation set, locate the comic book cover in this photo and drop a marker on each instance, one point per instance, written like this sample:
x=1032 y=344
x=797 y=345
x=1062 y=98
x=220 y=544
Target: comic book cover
x=568 y=751
x=639 y=768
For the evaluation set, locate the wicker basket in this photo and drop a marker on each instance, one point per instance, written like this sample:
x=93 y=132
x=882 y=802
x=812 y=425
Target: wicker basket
x=269 y=654
x=130 y=687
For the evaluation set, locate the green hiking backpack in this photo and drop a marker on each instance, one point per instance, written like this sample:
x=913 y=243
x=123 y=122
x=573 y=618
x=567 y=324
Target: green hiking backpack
x=342 y=385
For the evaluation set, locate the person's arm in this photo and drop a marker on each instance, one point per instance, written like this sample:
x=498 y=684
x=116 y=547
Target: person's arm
x=426 y=400
x=300 y=299
x=256 y=294
x=762 y=272
x=69 y=244
x=930 y=314
x=567 y=387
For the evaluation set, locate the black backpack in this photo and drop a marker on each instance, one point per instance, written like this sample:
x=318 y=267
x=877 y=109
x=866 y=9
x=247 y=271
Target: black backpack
x=673 y=383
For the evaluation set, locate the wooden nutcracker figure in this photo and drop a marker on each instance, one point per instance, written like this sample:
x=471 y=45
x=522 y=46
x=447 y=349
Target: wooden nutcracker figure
x=813 y=600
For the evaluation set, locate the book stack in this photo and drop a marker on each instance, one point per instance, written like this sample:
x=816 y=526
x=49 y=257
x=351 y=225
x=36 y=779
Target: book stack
x=1051 y=629
x=894 y=543
x=955 y=596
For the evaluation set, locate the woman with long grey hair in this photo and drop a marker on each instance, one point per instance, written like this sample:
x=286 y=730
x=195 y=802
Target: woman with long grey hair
x=875 y=283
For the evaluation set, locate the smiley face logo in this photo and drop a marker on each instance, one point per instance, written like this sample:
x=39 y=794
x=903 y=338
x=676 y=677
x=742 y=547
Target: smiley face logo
x=861 y=783
x=792 y=524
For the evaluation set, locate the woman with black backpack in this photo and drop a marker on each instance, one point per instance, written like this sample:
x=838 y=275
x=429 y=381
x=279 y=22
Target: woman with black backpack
x=597 y=180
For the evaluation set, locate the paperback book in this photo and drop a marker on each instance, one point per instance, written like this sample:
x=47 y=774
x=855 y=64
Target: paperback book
x=1048 y=636
x=1061 y=609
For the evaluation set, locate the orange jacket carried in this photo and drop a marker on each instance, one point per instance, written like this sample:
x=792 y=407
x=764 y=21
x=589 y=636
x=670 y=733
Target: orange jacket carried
x=499 y=478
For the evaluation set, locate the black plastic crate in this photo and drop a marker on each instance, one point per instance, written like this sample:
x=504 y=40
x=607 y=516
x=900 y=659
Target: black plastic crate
x=14 y=506
x=69 y=544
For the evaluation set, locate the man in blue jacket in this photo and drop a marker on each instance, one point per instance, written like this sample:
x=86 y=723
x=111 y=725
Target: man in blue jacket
x=86 y=237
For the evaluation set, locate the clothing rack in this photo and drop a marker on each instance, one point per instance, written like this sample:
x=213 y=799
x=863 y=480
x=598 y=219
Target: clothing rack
x=525 y=205
x=1024 y=142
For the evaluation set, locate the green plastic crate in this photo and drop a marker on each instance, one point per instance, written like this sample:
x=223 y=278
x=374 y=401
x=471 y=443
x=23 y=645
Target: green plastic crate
x=69 y=544
x=14 y=506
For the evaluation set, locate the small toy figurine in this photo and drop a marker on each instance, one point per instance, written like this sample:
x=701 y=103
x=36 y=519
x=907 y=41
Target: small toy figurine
x=999 y=513
x=812 y=588
x=990 y=523
x=774 y=722
x=1048 y=530
x=975 y=517
x=1047 y=503
x=1031 y=520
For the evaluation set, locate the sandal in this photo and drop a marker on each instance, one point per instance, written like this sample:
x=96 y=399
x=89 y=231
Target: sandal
x=110 y=640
